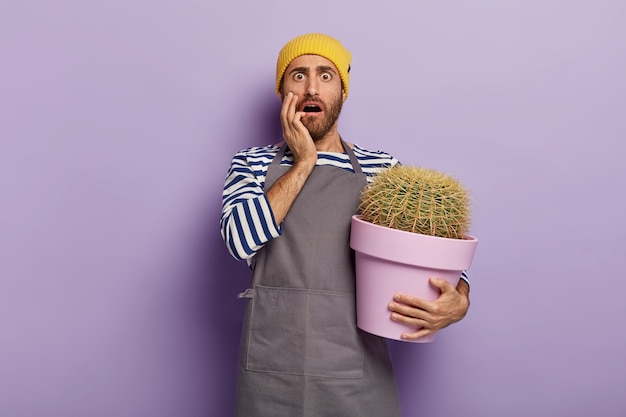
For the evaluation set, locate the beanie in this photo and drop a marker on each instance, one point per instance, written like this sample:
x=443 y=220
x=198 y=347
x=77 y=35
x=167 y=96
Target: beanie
x=315 y=44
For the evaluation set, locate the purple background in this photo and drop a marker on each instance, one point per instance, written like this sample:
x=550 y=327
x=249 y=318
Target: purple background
x=118 y=120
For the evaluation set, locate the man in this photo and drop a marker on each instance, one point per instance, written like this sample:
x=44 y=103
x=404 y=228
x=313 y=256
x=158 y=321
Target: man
x=287 y=210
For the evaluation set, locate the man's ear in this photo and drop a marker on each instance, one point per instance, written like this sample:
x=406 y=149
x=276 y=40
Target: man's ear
x=343 y=94
x=279 y=93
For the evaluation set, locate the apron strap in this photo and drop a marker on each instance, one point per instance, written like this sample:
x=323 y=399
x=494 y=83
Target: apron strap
x=279 y=155
x=355 y=162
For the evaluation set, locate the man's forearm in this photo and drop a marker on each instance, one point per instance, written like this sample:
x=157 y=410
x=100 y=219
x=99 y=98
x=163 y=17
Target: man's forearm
x=285 y=190
x=463 y=289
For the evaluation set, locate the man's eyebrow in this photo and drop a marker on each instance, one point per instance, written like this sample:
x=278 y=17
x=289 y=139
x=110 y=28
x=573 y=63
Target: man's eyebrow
x=299 y=69
x=321 y=68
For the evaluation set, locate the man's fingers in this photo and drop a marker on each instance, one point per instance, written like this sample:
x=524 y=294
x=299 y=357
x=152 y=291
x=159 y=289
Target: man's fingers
x=292 y=101
x=291 y=119
x=417 y=335
x=422 y=326
x=288 y=108
x=285 y=106
x=442 y=284
x=409 y=320
x=413 y=301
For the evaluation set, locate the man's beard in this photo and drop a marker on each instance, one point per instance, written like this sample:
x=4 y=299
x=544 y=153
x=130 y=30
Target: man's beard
x=320 y=126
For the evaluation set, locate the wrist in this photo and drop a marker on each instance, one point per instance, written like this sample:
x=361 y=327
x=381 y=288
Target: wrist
x=305 y=165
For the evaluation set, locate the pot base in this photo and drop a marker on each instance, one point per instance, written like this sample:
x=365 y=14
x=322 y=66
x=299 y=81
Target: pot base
x=378 y=281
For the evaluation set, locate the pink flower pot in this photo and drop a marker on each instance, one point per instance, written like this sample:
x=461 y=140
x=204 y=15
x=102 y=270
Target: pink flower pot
x=389 y=261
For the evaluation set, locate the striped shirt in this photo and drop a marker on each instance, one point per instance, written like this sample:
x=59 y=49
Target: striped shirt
x=247 y=221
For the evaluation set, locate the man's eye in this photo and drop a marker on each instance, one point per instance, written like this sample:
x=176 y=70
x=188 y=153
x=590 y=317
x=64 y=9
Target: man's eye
x=298 y=76
x=326 y=77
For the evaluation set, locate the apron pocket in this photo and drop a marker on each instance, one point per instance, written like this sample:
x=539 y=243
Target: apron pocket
x=304 y=332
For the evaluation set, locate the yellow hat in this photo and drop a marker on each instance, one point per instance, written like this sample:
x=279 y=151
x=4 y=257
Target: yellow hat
x=315 y=44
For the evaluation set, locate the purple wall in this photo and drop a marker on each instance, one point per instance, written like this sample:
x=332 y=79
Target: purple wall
x=117 y=123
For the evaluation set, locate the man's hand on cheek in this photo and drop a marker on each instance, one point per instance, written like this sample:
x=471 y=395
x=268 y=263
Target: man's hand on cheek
x=295 y=133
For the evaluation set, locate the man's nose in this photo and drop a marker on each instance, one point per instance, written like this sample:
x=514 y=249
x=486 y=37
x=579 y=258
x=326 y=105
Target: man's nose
x=312 y=86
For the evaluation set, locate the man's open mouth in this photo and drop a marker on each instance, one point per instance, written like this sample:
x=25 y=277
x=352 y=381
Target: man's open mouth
x=312 y=108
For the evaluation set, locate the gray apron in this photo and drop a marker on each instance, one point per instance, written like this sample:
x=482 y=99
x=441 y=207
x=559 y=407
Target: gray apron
x=301 y=352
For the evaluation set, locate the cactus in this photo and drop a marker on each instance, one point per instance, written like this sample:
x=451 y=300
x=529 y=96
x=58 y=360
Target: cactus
x=418 y=200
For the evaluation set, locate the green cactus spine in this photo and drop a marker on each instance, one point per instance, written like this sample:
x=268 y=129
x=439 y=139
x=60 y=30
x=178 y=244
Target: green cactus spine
x=418 y=200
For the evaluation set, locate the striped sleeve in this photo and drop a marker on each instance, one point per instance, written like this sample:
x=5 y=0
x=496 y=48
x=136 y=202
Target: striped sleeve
x=464 y=277
x=247 y=221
